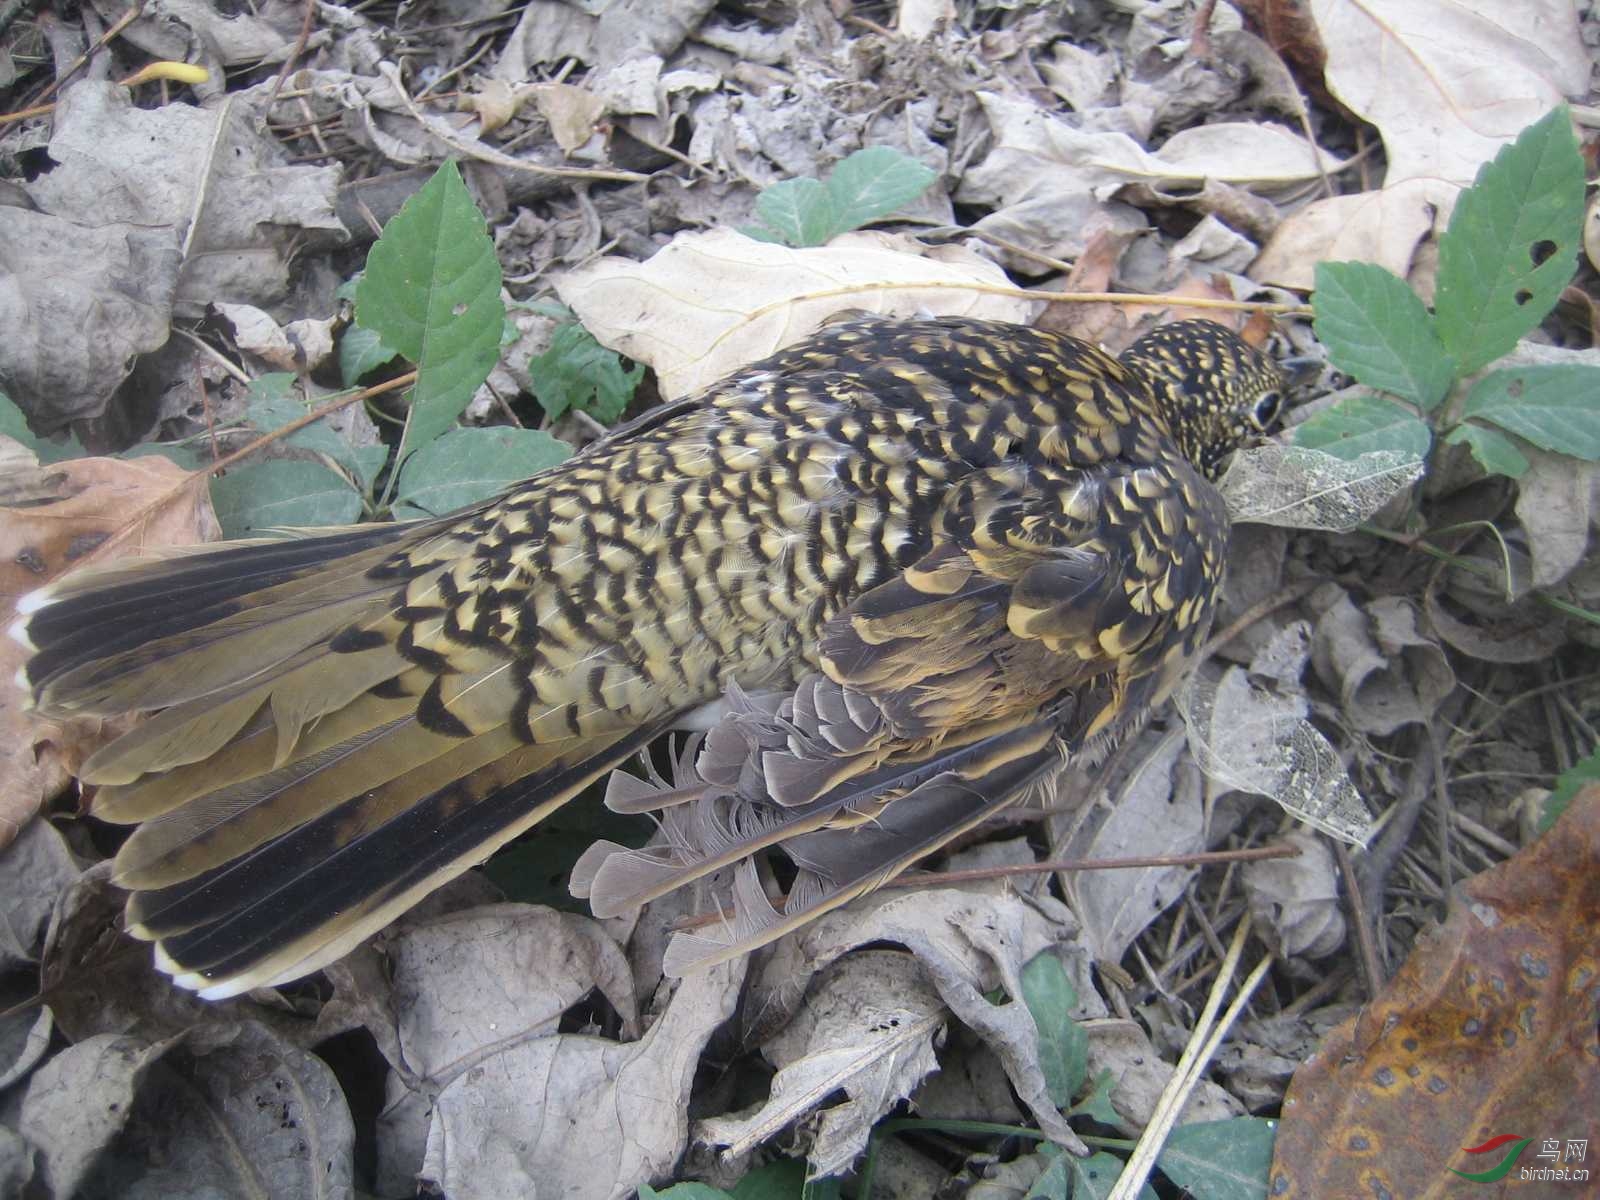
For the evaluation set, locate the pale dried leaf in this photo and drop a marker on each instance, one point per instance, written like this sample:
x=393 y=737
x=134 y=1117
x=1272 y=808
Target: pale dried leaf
x=868 y=1029
x=24 y=1037
x=300 y=346
x=968 y=944
x=709 y=303
x=1555 y=498
x=1036 y=154
x=80 y=300
x=1152 y=813
x=1141 y=1075
x=1251 y=740
x=1302 y=488
x=579 y=1117
x=1448 y=82
x=76 y=1104
x=1295 y=901
x=1386 y=673
x=1382 y=227
x=470 y=984
x=35 y=869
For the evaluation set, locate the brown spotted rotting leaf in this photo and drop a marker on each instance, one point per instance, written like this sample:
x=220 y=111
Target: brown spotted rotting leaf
x=54 y=519
x=1489 y=1029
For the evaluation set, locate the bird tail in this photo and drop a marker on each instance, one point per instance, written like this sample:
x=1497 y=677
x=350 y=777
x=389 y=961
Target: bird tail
x=310 y=774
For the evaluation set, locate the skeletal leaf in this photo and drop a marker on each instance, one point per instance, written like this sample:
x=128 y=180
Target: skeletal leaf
x=1306 y=489
x=1255 y=741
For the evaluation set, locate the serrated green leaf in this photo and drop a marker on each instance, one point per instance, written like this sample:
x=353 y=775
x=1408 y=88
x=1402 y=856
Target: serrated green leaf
x=578 y=372
x=1053 y=1183
x=1570 y=782
x=361 y=350
x=1222 y=1160
x=274 y=385
x=1360 y=424
x=14 y=425
x=1063 y=1045
x=1496 y=453
x=468 y=465
x=1554 y=407
x=274 y=412
x=277 y=494
x=800 y=212
x=1512 y=244
x=432 y=291
x=1378 y=332
x=873 y=183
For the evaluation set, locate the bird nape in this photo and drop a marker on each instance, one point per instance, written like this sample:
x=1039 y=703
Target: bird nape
x=898 y=574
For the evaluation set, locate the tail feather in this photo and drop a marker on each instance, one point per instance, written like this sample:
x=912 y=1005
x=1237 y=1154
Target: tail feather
x=305 y=898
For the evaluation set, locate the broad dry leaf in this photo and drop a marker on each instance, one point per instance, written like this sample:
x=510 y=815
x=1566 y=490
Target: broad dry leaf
x=1386 y=672
x=1448 y=82
x=867 y=1029
x=1260 y=742
x=969 y=944
x=1152 y=813
x=1490 y=1028
x=583 y=1118
x=72 y=508
x=1302 y=488
x=470 y=984
x=221 y=1109
x=709 y=303
x=1035 y=154
x=1556 y=506
x=1295 y=901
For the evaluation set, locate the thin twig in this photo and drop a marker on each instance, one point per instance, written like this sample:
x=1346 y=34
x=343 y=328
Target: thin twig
x=1199 y=859
x=1366 y=947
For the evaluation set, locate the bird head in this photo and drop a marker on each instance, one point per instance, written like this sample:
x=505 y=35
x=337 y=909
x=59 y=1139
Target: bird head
x=1215 y=391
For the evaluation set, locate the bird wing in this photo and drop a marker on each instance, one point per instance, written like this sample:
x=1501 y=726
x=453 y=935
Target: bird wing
x=347 y=721
x=1052 y=609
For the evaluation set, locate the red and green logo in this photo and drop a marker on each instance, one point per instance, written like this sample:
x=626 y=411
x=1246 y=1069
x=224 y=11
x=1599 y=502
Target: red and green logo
x=1500 y=1169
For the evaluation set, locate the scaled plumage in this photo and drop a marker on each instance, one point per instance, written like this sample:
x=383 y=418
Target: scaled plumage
x=914 y=564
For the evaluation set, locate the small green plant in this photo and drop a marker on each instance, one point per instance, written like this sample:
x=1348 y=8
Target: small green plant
x=578 y=373
x=869 y=184
x=430 y=294
x=1509 y=251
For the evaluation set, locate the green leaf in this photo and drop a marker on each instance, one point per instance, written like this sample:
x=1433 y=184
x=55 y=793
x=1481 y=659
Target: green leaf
x=1571 y=781
x=798 y=212
x=1512 y=244
x=1554 y=407
x=276 y=494
x=1361 y=423
x=873 y=183
x=186 y=457
x=683 y=1191
x=1095 y=1176
x=1063 y=1045
x=1054 y=1182
x=1221 y=1160
x=1379 y=333
x=578 y=372
x=468 y=465
x=432 y=291
x=274 y=385
x=781 y=1179
x=274 y=412
x=1097 y=1102
x=13 y=424
x=1495 y=452
x=361 y=350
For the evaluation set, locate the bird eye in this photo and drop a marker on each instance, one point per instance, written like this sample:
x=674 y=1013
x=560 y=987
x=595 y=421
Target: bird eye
x=1266 y=409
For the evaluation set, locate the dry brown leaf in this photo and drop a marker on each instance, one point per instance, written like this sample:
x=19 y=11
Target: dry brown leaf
x=1488 y=1029
x=73 y=509
x=1106 y=324
x=1447 y=83
x=709 y=303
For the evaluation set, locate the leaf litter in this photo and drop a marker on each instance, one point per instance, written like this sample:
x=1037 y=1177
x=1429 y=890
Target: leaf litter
x=616 y=150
